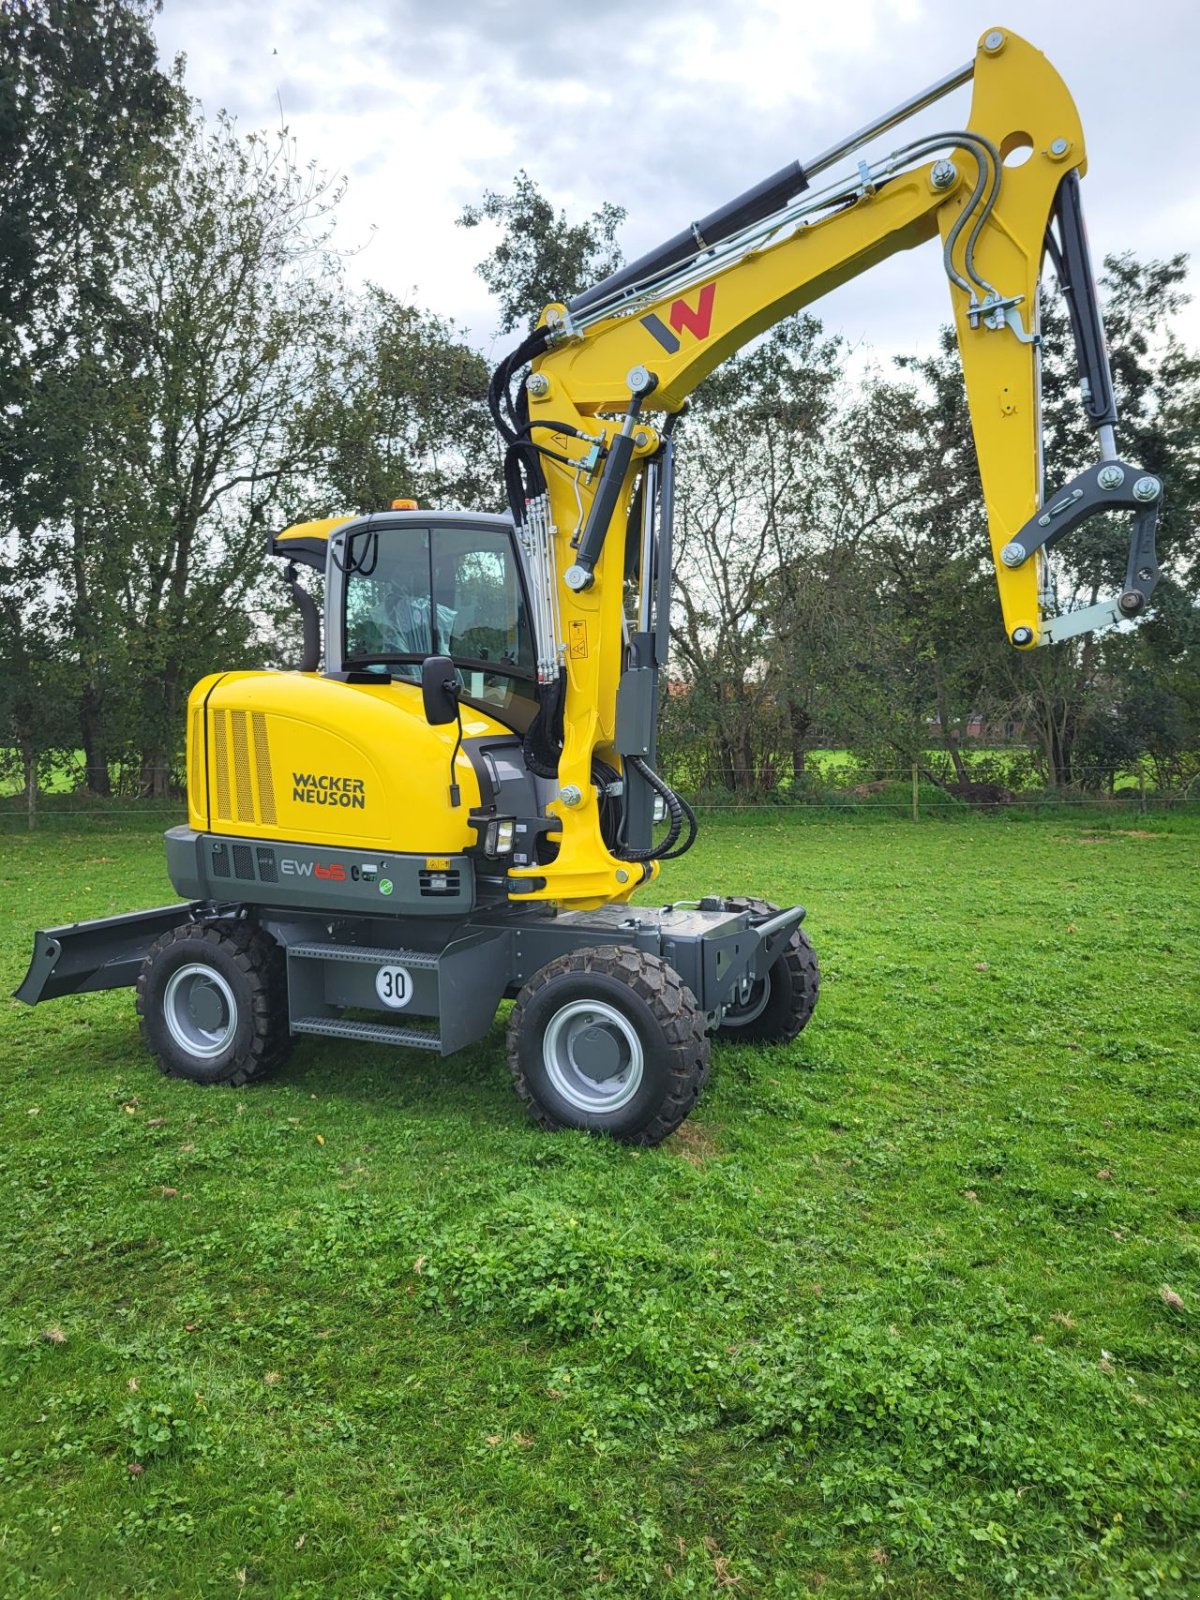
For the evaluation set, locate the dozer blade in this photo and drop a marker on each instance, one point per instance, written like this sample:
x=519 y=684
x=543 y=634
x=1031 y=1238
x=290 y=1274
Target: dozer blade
x=105 y=954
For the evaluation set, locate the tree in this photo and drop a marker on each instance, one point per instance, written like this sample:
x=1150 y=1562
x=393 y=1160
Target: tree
x=83 y=105
x=235 y=302
x=36 y=721
x=743 y=549
x=186 y=413
x=402 y=410
x=791 y=483
x=541 y=257
x=85 y=111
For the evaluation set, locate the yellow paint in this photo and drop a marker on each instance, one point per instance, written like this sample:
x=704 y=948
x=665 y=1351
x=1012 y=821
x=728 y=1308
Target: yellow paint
x=315 y=741
x=1018 y=97
x=320 y=529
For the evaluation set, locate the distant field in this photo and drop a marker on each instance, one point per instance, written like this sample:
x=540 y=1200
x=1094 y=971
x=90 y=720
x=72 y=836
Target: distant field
x=908 y=1308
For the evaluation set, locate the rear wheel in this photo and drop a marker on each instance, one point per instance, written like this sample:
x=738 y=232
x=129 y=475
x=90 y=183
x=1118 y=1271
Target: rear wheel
x=609 y=1040
x=775 y=1008
x=212 y=997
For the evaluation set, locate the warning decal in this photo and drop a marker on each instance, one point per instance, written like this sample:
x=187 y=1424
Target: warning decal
x=578 y=637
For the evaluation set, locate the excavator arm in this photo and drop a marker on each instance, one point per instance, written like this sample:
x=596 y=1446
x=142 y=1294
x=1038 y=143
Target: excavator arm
x=585 y=431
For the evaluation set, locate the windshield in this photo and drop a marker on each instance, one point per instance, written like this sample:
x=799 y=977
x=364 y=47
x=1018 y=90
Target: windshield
x=413 y=592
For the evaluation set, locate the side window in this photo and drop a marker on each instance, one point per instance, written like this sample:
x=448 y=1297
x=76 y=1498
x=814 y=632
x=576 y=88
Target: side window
x=413 y=592
x=477 y=587
x=387 y=597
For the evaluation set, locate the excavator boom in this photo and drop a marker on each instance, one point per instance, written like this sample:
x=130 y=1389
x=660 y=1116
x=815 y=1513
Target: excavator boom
x=586 y=429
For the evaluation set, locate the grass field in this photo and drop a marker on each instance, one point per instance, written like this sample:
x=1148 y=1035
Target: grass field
x=910 y=1307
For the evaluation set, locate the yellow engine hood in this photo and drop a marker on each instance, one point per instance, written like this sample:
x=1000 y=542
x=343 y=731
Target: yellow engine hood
x=295 y=756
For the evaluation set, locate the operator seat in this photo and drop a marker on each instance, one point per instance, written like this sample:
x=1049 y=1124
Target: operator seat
x=482 y=630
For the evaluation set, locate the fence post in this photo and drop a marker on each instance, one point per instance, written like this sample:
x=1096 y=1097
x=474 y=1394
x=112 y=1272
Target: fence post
x=916 y=778
x=1142 y=789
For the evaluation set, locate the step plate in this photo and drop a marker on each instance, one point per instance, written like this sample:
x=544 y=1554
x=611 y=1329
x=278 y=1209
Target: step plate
x=353 y=952
x=368 y=1032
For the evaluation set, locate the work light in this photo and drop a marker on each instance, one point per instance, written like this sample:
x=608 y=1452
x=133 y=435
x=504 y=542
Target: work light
x=498 y=839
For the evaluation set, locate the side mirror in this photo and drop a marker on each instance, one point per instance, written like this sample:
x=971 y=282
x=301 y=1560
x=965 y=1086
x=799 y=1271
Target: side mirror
x=439 y=690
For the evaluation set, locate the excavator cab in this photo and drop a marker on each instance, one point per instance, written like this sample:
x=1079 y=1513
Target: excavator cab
x=405 y=587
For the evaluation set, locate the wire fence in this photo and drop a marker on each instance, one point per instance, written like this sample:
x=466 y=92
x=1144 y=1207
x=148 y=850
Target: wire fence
x=835 y=787
x=1000 y=780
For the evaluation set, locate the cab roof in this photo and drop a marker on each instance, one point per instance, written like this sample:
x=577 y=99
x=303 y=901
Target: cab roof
x=307 y=542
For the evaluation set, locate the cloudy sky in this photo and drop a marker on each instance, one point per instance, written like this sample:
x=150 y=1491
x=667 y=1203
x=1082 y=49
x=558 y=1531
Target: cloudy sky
x=669 y=110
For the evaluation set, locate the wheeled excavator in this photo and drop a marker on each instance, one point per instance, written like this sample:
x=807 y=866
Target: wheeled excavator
x=455 y=798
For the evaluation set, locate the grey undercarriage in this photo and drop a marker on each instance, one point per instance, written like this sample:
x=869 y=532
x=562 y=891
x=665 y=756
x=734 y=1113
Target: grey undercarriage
x=390 y=935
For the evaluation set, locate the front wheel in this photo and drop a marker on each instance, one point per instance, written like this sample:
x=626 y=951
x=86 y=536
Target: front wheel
x=212 y=997
x=773 y=1009
x=609 y=1040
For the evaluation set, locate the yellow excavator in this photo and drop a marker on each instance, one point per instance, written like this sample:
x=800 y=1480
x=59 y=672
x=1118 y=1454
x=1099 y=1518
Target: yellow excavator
x=454 y=799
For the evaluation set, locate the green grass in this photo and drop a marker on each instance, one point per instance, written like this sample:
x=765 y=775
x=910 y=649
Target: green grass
x=887 y=1316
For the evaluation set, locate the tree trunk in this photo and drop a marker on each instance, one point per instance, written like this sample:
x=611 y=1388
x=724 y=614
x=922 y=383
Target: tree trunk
x=91 y=736
x=1060 y=750
x=91 y=731
x=726 y=765
x=158 y=750
x=800 y=725
x=155 y=780
x=747 y=777
x=951 y=737
x=29 y=764
x=954 y=744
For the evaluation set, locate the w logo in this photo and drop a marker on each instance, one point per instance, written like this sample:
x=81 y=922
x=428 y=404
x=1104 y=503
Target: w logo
x=697 y=320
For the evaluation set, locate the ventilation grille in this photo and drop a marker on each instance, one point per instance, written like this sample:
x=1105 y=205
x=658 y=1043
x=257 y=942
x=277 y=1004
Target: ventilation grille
x=195 y=765
x=241 y=768
x=244 y=860
x=221 y=765
x=436 y=884
x=262 y=767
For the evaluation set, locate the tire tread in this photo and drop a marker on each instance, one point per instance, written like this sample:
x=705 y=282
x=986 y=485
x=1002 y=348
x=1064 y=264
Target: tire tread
x=655 y=982
x=263 y=962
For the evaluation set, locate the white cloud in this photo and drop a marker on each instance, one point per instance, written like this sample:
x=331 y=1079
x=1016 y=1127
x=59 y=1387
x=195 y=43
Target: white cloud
x=669 y=112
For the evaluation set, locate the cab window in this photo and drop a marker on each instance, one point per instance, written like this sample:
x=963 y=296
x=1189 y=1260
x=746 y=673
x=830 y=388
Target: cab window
x=455 y=590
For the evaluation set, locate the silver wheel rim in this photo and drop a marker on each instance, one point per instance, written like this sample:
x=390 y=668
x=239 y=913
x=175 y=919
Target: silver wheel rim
x=581 y=1039
x=200 y=1011
x=754 y=1007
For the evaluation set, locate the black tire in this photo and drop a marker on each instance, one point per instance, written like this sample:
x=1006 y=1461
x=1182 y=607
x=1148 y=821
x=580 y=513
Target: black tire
x=609 y=1005
x=779 y=1006
x=212 y=998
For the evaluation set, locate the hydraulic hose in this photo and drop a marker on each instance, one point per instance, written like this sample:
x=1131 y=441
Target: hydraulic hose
x=543 y=740
x=499 y=395
x=677 y=809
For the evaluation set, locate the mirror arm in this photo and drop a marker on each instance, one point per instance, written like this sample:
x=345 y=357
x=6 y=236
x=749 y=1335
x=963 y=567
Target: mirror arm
x=455 y=792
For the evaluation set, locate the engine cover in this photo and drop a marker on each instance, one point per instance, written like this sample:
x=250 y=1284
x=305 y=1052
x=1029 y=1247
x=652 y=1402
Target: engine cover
x=298 y=757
